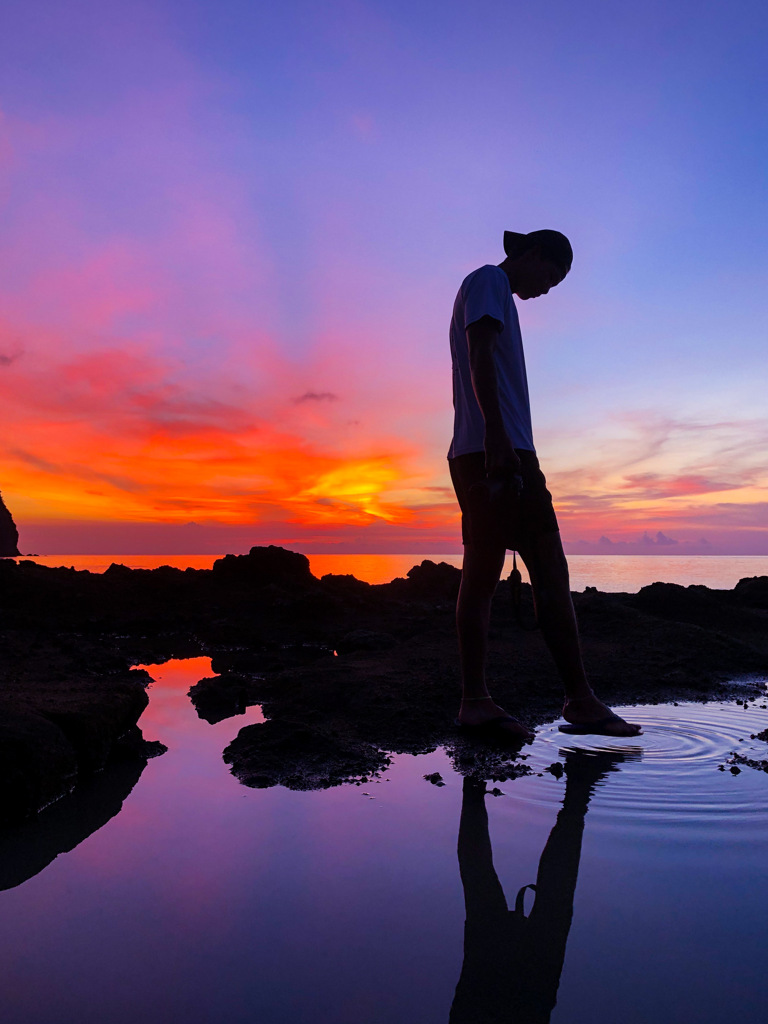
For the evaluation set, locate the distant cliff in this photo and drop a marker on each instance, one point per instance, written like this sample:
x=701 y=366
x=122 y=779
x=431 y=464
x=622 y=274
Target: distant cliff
x=9 y=535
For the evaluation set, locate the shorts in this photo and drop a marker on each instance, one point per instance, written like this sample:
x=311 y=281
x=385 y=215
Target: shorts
x=507 y=524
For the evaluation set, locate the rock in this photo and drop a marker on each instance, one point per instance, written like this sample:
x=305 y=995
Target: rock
x=263 y=566
x=59 y=725
x=221 y=697
x=9 y=535
x=753 y=591
x=300 y=757
x=67 y=637
x=366 y=640
x=695 y=604
x=435 y=778
x=38 y=764
x=430 y=581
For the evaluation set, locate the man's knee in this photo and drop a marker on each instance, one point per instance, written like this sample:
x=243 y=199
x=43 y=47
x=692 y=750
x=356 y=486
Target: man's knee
x=481 y=569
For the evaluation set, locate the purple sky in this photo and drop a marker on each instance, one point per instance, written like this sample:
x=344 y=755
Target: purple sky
x=210 y=211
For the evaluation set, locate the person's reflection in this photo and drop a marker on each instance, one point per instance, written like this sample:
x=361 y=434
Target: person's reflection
x=512 y=963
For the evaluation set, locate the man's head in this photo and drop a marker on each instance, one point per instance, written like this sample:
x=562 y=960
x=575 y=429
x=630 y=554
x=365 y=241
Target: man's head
x=536 y=262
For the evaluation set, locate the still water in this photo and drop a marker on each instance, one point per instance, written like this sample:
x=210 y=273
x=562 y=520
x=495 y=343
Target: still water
x=202 y=901
x=610 y=573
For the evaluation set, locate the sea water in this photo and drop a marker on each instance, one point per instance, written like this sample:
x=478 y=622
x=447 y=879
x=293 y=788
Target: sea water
x=203 y=901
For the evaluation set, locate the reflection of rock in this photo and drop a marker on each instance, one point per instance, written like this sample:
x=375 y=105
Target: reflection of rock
x=60 y=730
x=299 y=757
x=9 y=535
x=26 y=848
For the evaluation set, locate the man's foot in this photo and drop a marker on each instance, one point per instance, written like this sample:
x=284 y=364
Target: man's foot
x=589 y=715
x=485 y=715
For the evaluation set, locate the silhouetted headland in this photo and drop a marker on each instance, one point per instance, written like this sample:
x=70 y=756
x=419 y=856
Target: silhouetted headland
x=9 y=535
x=345 y=670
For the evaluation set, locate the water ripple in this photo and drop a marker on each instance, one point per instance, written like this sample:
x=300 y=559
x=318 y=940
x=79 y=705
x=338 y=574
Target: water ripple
x=672 y=773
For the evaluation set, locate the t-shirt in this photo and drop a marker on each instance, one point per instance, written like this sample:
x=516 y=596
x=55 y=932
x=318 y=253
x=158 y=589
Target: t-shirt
x=486 y=292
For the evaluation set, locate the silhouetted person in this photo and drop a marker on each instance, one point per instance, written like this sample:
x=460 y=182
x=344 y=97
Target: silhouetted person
x=502 y=492
x=512 y=963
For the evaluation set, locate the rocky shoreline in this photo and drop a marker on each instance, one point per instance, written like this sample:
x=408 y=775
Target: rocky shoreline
x=347 y=672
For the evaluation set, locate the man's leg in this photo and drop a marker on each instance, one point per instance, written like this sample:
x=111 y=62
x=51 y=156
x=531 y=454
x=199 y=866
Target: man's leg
x=480 y=573
x=548 y=570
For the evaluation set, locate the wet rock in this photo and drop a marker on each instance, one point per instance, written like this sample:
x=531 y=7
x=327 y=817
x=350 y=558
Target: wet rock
x=435 y=778
x=759 y=764
x=300 y=757
x=9 y=535
x=477 y=761
x=221 y=697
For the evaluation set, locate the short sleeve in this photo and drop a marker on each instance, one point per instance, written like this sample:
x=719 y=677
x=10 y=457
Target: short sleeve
x=485 y=296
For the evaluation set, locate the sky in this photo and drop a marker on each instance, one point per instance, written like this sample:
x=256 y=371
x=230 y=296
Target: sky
x=231 y=235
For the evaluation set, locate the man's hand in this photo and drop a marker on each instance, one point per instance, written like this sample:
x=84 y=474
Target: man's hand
x=501 y=459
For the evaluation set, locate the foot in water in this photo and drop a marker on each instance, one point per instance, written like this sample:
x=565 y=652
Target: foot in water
x=588 y=715
x=485 y=717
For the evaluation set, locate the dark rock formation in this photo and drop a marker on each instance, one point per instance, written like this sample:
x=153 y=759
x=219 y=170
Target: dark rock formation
x=299 y=756
x=9 y=535
x=346 y=672
x=753 y=591
x=263 y=566
x=221 y=697
x=60 y=721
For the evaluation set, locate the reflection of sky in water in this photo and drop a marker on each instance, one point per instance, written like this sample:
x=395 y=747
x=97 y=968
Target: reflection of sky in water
x=204 y=901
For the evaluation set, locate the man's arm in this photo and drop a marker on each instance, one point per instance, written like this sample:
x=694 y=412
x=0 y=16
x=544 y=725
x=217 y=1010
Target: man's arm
x=500 y=456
